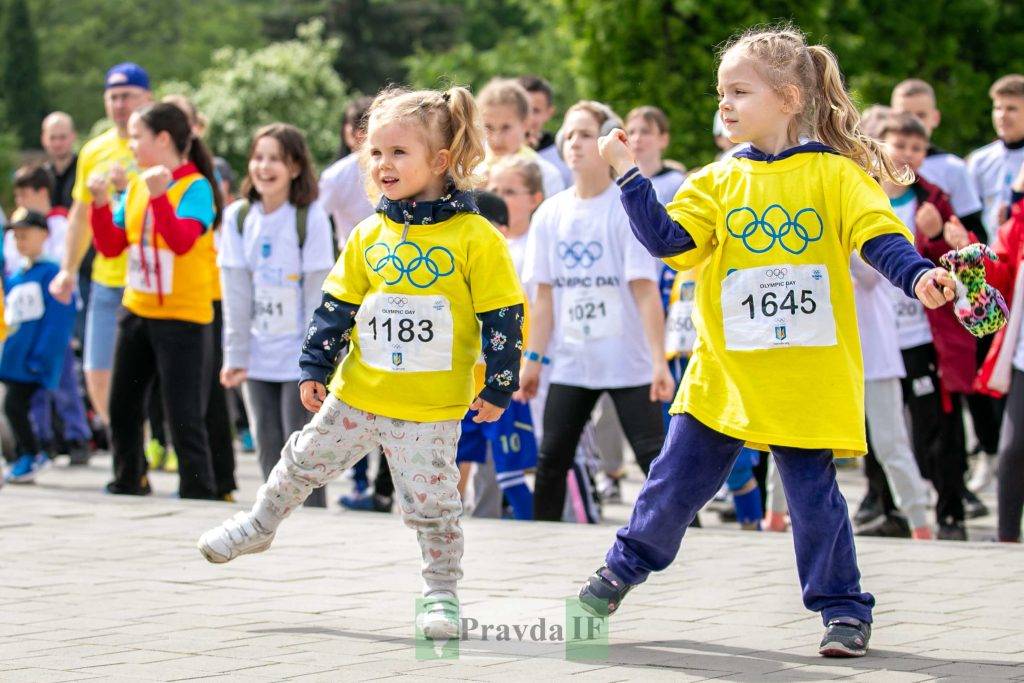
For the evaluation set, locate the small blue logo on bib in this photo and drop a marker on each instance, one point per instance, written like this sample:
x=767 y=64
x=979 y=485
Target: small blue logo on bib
x=396 y=359
x=780 y=332
x=265 y=250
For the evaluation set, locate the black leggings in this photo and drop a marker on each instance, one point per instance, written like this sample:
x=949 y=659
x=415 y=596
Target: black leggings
x=179 y=353
x=17 y=403
x=1010 y=487
x=566 y=413
x=218 y=421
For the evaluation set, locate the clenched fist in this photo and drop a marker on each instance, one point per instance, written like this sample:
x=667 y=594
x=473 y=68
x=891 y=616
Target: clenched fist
x=157 y=178
x=615 y=150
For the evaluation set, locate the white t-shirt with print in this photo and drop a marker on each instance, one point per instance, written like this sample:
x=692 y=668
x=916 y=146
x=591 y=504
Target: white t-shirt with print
x=876 y=321
x=268 y=248
x=911 y=322
x=992 y=169
x=586 y=251
x=343 y=195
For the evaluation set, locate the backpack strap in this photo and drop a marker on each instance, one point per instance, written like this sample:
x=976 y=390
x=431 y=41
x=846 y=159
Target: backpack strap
x=301 y=216
x=243 y=211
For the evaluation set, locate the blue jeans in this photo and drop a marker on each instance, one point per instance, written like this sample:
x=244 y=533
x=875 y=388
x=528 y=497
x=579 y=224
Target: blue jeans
x=693 y=465
x=67 y=399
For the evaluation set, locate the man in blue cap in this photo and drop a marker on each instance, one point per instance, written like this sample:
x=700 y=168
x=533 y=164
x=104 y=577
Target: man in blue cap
x=126 y=89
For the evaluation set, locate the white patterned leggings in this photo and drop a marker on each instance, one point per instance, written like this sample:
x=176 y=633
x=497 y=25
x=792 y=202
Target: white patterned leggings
x=422 y=460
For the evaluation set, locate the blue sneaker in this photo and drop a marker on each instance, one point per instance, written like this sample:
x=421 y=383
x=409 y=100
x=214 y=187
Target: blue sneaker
x=27 y=467
x=358 y=500
x=248 y=446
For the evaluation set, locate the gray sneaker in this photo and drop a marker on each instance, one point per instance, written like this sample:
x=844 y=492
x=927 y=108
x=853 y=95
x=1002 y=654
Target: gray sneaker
x=845 y=637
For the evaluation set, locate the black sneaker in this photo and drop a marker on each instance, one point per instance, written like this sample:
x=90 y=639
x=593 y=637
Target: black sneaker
x=845 y=637
x=602 y=594
x=973 y=507
x=890 y=526
x=868 y=510
x=78 y=453
x=951 y=530
x=118 y=489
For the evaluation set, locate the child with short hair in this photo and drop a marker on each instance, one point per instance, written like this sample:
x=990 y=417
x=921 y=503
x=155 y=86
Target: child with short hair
x=993 y=167
x=777 y=360
x=647 y=129
x=33 y=191
x=275 y=252
x=542 y=109
x=410 y=292
x=505 y=110
x=40 y=334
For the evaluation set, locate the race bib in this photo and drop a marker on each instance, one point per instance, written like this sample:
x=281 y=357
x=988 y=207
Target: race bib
x=142 y=277
x=406 y=332
x=591 y=313
x=912 y=328
x=275 y=310
x=24 y=303
x=777 y=306
x=680 y=333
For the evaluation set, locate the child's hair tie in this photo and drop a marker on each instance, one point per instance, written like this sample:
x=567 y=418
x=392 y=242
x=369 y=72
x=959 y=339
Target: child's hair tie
x=978 y=305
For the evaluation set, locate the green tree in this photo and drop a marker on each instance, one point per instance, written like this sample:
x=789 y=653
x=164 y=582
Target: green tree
x=171 y=39
x=22 y=87
x=290 y=81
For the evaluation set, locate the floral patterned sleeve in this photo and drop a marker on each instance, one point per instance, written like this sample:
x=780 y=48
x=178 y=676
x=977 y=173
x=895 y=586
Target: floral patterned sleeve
x=503 y=349
x=326 y=337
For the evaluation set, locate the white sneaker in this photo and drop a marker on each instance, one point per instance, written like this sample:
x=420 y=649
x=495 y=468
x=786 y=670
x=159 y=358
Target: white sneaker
x=982 y=475
x=240 y=535
x=440 y=618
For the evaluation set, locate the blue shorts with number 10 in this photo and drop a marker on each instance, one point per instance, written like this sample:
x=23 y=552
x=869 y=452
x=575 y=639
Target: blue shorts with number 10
x=512 y=442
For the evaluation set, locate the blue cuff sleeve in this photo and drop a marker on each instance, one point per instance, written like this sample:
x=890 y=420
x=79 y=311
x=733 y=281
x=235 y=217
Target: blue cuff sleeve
x=897 y=259
x=502 y=331
x=649 y=220
x=326 y=337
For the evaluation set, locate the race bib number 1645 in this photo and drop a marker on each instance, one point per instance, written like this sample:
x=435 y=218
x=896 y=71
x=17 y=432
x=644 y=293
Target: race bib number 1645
x=777 y=306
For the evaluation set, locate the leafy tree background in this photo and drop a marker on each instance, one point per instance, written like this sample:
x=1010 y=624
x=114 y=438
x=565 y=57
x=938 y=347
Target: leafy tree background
x=244 y=64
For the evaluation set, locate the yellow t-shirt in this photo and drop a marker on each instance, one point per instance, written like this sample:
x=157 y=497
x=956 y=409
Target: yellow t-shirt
x=777 y=359
x=99 y=155
x=416 y=336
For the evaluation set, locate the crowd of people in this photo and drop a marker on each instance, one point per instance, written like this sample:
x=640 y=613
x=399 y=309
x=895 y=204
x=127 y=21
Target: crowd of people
x=156 y=307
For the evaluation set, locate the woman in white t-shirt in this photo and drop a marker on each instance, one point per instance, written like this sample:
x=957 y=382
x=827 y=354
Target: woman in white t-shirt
x=275 y=252
x=597 y=313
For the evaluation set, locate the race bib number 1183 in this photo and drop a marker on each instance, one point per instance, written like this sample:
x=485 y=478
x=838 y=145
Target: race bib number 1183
x=777 y=306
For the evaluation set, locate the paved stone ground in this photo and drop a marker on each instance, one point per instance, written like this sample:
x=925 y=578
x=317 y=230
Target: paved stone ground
x=105 y=588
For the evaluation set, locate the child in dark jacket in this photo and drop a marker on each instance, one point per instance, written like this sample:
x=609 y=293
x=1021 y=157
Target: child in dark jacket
x=40 y=330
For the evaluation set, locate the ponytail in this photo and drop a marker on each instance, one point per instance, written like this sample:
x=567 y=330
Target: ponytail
x=199 y=155
x=466 y=145
x=837 y=123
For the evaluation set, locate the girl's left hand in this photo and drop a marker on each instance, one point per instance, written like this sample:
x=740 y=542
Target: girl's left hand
x=935 y=288
x=955 y=233
x=157 y=178
x=663 y=386
x=485 y=412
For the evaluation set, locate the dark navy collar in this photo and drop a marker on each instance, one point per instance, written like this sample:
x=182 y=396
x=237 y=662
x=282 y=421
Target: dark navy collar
x=430 y=212
x=754 y=154
x=1013 y=145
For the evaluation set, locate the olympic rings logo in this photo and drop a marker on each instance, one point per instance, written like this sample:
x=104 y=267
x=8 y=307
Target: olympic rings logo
x=775 y=226
x=776 y=272
x=397 y=301
x=407 y=260
x=577 y=253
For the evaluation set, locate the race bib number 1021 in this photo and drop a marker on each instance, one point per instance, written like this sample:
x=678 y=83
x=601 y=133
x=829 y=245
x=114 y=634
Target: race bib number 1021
x=777 y=306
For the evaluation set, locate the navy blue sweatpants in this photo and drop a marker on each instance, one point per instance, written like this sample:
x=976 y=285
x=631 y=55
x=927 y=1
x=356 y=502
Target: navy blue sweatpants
x=692 y=466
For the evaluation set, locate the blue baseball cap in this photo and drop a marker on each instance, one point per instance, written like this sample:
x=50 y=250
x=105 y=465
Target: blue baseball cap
x=126 y=73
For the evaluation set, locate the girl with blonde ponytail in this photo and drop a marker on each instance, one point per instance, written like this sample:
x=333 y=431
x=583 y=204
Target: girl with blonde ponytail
x=412 y=292
x=777 y=362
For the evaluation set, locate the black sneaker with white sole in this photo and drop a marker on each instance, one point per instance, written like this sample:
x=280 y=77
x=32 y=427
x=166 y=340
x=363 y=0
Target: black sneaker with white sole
x=602 y=594
x=845 y=637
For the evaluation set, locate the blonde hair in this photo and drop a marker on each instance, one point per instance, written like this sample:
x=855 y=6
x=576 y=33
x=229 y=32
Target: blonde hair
x=783 y=58
x=528 y=171
x=505 y=92
x=872 y=119
x=652 y=115
x=450 y=120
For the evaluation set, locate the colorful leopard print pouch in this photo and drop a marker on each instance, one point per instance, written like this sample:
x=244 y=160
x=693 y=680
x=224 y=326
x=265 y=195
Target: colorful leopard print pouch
x=978 y=305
